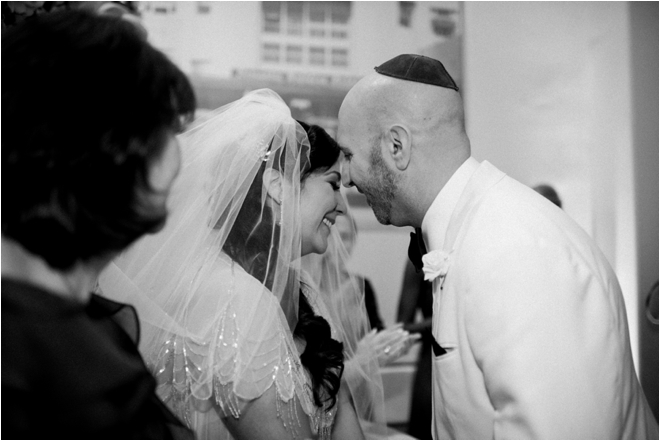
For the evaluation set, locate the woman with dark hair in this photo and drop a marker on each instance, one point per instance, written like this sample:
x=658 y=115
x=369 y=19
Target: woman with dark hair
x=242 y=342
x=89 y=114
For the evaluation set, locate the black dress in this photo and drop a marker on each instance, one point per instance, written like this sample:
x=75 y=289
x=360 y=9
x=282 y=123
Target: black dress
x=73 y=371
x=417 y=295
x=371 y=305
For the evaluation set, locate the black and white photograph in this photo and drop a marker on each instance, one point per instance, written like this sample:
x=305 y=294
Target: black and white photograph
x=379 y=220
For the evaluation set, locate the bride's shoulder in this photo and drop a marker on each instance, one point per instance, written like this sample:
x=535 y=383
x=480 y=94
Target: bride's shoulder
x=238 y=292
x=233 y=282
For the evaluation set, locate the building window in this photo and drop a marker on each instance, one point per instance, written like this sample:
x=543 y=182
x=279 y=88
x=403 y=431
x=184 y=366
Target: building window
x=405 y=13
x=294 y=54
x=317 y=56
x=294 y=15
x=272 y=16
x=318 y=19
x=203 y=7
x=340 y=12
x=164 y=7
x=289 y=27
x=339 y=34
x=271 y=53
x=443 y=23
x=317 y=33
x=317 y=12
x=331 y=15
x=339 y=57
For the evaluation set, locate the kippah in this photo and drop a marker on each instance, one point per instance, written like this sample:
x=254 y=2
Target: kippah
x=419 y=69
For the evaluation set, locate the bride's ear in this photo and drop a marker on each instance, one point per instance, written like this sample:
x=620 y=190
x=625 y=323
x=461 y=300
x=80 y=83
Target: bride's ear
x=272 y=182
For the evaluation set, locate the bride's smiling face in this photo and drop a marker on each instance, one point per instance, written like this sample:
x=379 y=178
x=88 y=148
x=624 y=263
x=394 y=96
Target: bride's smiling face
x=320 y=204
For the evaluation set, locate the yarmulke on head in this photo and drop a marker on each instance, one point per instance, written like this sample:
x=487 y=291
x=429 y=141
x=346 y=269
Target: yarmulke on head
x=419 y=69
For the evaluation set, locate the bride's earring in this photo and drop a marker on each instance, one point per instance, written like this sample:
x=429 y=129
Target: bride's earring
x=279 y=221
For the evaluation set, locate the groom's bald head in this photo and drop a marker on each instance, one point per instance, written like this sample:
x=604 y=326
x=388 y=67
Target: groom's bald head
x=384 y=101
x=409 y=114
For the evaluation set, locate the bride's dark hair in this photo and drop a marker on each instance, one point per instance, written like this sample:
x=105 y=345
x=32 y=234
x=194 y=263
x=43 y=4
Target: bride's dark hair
x=249 y=245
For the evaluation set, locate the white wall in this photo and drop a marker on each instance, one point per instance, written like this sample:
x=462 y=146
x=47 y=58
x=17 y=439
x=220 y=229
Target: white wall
x=548 y=99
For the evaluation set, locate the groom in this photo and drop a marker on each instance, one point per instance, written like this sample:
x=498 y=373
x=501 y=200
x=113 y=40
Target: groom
x=529 y=323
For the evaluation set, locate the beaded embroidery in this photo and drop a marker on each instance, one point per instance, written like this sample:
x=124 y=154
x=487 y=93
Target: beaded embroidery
x=181 y=378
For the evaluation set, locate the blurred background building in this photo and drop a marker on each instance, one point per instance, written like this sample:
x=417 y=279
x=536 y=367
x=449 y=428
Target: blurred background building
x=311 y=53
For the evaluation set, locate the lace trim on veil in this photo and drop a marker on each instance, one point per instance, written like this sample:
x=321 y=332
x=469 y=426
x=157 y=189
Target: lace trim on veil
x=250 y=349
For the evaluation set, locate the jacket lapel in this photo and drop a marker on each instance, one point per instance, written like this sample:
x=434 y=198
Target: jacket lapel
x=444 y=328
x=485 y=177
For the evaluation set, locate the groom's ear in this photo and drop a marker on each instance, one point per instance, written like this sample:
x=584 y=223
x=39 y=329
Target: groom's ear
x=272 y=182
x=399 y=145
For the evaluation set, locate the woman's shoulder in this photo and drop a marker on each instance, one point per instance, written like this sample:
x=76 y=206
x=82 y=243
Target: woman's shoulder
x=224 y=291
x=255 y=346
x=45 y=325
x=69 y=358
x=240 y=291
x=228 y=277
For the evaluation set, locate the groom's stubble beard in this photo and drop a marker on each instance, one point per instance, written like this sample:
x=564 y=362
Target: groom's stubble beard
x=380 y=190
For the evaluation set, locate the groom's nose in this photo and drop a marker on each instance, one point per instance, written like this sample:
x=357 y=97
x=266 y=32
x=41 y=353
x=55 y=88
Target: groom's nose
x=345 y=175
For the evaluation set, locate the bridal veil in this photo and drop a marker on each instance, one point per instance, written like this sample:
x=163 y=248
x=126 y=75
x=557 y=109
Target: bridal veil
x=206 y=321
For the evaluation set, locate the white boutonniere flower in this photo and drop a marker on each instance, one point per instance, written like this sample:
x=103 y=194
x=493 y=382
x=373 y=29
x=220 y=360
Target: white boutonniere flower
x=436 y=264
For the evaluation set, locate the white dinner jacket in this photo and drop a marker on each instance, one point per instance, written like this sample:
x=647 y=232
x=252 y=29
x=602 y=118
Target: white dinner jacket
x=533 y=321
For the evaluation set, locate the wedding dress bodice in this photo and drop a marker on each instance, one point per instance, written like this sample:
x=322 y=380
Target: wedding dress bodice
x=233 y=353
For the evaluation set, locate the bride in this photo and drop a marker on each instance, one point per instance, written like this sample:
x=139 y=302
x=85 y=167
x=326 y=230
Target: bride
x=242 y=340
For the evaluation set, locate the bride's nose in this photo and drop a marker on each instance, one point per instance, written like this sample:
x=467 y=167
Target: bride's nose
x=341 y=204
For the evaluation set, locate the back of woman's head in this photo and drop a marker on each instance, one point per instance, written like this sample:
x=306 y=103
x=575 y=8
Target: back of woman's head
x=87 y=106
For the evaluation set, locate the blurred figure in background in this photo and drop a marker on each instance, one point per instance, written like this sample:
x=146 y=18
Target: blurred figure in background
x=393 y=342
x=89 y=114
x=348 y=233
x=549 y=193
x=417 y=296
x=372 y=306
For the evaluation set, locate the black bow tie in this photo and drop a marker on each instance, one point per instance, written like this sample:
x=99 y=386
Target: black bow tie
x=416 y=249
